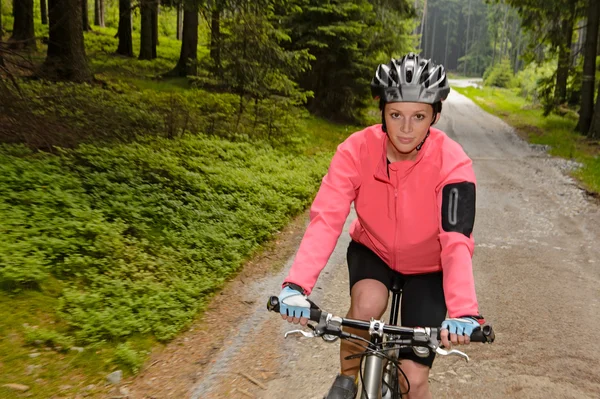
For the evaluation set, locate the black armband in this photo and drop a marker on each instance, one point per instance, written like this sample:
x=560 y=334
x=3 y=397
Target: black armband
x=458 y=207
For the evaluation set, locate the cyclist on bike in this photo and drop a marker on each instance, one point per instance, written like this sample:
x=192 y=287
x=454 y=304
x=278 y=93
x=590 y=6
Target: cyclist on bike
x=413 y=190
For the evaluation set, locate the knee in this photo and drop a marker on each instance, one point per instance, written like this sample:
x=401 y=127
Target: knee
x=419 y=385
x=368 y=300
x=418 y=377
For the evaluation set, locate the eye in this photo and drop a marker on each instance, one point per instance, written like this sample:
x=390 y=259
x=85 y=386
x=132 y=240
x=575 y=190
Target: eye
x=395 y=115
x=420 y=117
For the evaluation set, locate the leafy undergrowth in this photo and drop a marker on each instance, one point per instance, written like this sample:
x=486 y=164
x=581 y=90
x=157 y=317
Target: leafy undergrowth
x=556 y=131
x=115 y=248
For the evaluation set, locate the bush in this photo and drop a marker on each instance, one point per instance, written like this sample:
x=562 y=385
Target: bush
x=529 y=79
x=499 y=75
x=128 y=358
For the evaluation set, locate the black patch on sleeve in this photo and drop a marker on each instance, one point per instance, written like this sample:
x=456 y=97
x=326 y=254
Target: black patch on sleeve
x=458 y=207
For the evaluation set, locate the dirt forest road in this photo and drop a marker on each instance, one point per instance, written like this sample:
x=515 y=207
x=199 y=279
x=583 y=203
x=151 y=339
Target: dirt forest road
x=537 y=270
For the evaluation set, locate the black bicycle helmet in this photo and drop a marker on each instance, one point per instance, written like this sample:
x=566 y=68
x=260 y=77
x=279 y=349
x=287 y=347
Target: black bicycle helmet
x=410 y=79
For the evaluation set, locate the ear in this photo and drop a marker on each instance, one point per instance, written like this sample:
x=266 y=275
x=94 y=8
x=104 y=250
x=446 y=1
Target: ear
x=437 y=118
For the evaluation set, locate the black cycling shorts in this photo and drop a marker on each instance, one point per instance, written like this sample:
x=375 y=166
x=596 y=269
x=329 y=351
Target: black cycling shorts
x=422 y=303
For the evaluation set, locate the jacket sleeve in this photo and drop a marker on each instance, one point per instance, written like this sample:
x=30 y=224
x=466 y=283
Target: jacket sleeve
x=328 y=214
x=456 y=200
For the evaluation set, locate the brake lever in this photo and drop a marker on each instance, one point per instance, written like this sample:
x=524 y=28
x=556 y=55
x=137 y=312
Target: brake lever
x=304 y=333
x=435 y=345
x=444 y=352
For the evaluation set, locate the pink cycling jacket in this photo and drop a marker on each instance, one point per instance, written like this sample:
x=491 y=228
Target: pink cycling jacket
x=399 y=216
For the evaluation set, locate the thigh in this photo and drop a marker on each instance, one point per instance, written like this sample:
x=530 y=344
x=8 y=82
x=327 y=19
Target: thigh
x=423 y=305
x=364 y=264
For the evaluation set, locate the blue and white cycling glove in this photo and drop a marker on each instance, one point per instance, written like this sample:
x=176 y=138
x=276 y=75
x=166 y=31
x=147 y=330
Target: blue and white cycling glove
x=462 y=325
x=293 y=303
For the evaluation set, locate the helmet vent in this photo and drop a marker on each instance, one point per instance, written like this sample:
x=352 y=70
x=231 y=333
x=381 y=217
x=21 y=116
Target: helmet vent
x=409 y=76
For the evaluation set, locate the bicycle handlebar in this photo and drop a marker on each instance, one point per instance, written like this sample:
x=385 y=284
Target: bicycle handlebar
x=484 y=334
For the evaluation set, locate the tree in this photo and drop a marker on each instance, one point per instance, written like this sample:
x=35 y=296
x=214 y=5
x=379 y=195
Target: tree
x=594 y=132
x=23 y=29
x=44 y=12
x=589 y=67
x=149 y=15
x=125 y=46
x=347 y=39
x=1 y=28
x=189 y=44
x=215 y=9
x=99 y=13
x=85 y=18
x=66 y=58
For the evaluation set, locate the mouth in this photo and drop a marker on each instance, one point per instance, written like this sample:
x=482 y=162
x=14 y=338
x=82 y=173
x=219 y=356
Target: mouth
x=405 y=140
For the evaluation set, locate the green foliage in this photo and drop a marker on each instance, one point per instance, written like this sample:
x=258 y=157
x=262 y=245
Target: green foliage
x=67 y=114
x=528 y=80
x=143 y=232
x=50 y=338
x=500 y=75
x=128 y=357
x=338 y=34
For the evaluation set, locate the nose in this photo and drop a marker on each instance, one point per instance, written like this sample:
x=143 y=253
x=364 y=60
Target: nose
x=407 y=125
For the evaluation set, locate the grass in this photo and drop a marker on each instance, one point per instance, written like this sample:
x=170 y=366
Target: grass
x=556 y=131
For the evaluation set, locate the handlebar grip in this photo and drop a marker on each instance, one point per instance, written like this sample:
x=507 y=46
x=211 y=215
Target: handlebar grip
x=484 y=334
x=273 y=306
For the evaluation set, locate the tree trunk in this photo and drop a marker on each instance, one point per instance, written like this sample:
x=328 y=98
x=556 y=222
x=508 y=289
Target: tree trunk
x=433 y=36
x=594 y=132
x=66 y=58
x=125 y=39
x=215 y=39
x=23 y=35
x=589 y=68
x=44 y=11
x=423 y=22
x=494 y=48
x=99 y=13
x=147 y=47
x=447 y=45
x=564 y=57
x=467 y=41
x=155 y=9
x=189 y=43
x=179 y=20
x=85 y=18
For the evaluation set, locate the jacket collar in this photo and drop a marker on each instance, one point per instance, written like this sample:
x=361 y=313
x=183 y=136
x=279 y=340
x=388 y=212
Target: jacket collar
x=381 y=171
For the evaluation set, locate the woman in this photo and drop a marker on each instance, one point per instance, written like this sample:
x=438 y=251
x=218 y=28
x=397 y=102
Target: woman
x=414 y=195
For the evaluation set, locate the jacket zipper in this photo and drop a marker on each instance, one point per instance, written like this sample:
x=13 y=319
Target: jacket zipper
x=394 y=246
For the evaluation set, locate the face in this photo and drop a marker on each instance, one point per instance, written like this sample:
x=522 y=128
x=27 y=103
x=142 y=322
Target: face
x=407 y=124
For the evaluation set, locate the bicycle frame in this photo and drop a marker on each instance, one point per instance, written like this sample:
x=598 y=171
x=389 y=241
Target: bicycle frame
x=374 y=364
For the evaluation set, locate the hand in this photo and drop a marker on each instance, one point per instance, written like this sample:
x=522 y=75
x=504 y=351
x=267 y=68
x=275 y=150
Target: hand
x=293 y=306
x=459 y=330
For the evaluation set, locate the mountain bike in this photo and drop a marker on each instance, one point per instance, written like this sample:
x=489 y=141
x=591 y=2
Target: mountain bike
x=379 y=375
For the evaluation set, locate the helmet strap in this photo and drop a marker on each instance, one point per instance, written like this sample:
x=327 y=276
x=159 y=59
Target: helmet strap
x=418 y=148
x=428 y=131
x=383 y=125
